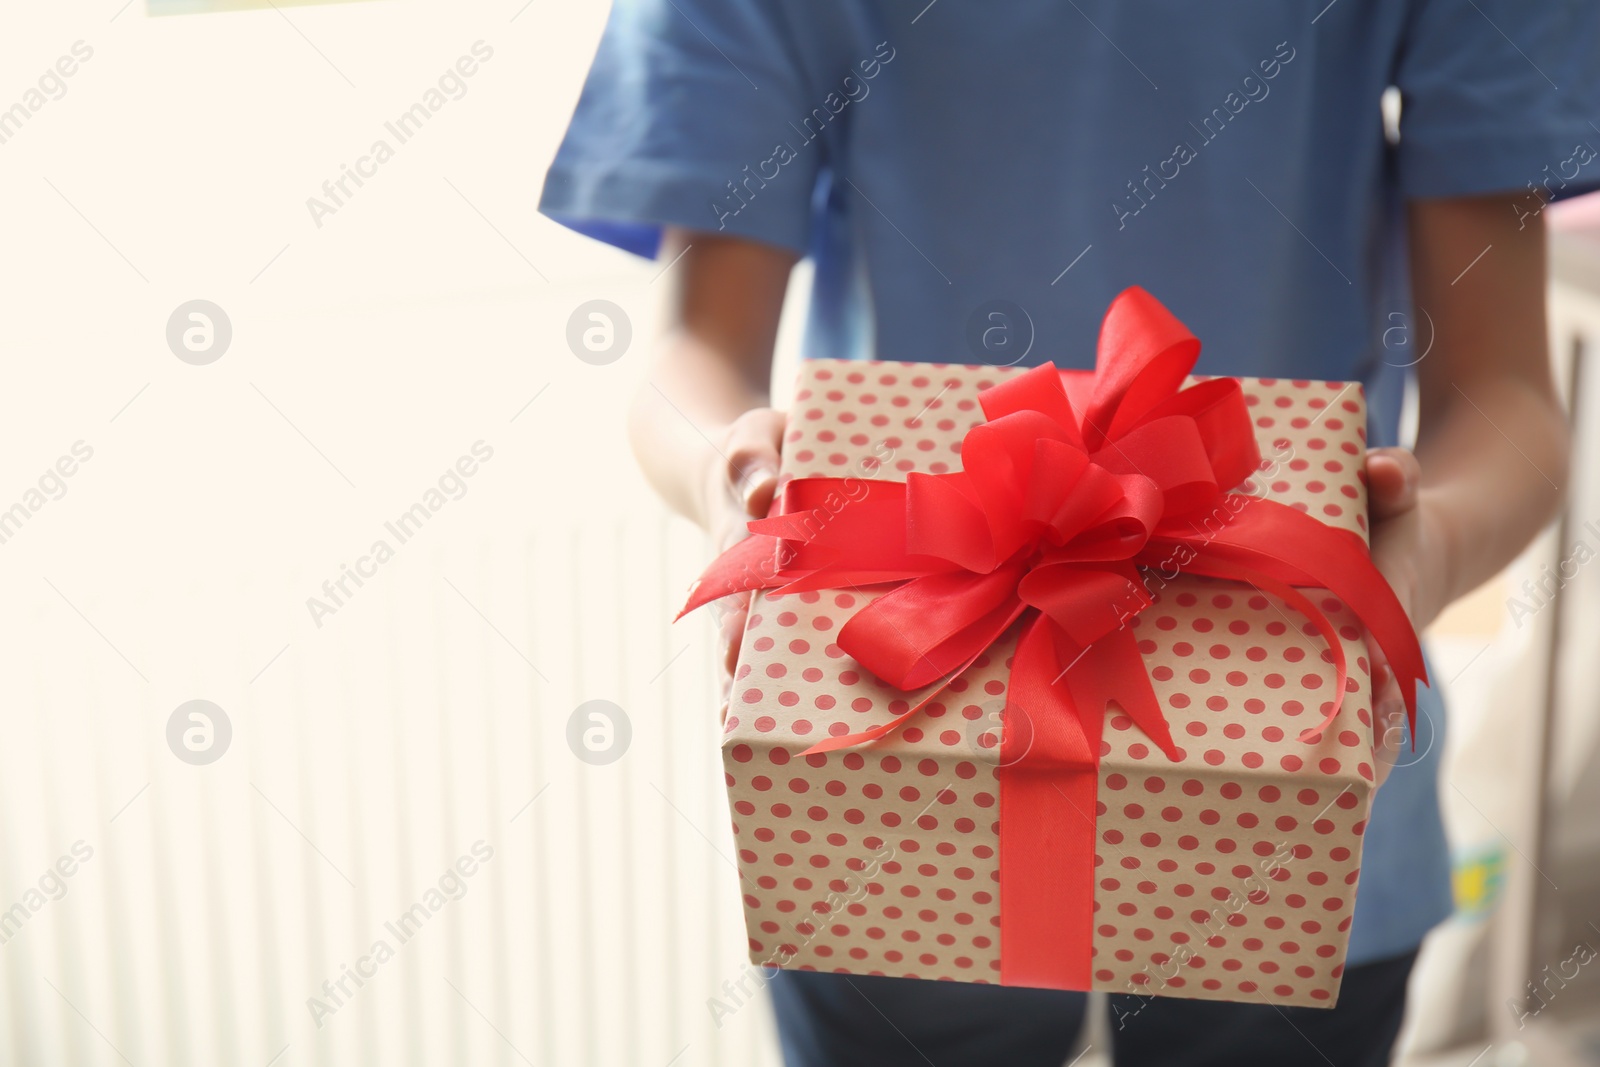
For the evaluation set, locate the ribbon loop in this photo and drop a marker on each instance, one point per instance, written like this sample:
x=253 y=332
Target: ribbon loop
x=931 y=627
x=1143 y=357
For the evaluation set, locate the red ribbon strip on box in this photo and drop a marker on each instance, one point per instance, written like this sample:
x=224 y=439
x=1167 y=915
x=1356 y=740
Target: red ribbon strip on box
x=1047 y=523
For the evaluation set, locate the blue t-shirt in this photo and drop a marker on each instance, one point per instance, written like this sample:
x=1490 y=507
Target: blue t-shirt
x=975 y=183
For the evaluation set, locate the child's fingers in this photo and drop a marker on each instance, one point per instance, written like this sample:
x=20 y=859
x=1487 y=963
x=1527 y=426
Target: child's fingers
x=1393 y=476
x=751 y=450
x=734 y=619
x=753 y=445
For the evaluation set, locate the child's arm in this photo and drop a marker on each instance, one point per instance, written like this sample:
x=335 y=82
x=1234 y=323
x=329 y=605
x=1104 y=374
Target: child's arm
x=1491 y=455
x=1492 y=438
x=701 y=426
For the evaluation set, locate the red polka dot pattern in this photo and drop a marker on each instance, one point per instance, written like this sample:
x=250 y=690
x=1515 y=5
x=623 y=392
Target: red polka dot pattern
x=1229 y=874
x=1227 y=868
x=880 y=860
x=1313 y=441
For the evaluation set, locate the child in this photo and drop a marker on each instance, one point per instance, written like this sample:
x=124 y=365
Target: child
x=974 y=183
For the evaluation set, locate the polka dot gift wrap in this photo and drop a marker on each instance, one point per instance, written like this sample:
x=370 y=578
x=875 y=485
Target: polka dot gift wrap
x=1228 y=874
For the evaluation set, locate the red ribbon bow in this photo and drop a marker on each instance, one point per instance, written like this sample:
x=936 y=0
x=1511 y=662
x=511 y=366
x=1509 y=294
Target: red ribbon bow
x=1048 y=522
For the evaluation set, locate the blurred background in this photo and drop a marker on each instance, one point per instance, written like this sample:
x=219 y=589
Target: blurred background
x=342 y=723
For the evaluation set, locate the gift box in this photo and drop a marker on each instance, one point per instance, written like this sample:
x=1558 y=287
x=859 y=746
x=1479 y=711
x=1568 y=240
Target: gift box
x=1043 y=683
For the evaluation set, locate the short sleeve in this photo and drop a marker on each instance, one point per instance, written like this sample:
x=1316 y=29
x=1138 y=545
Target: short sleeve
x=686 y=119
x=1495 y=91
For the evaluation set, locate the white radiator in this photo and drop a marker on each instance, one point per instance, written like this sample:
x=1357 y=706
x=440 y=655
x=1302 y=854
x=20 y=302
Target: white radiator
x=233 y=912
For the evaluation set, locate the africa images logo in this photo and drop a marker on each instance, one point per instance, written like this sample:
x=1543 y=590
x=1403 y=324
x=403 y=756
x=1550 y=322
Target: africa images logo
x=783 y=153
x=1255 y=90
x=451 y=85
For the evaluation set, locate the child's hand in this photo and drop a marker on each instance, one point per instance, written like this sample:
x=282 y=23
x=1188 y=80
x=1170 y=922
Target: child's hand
x=740 y=487
x=1407 y=548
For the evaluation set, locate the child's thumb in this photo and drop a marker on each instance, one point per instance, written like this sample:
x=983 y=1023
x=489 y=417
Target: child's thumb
x=753 y=445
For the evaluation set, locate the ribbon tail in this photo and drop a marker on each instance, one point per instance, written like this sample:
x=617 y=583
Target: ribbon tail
x=749 y=564
x=1275 y=541
x=1301 y=603
x=1112 y=670
x=1048 y=791
x=851 y=529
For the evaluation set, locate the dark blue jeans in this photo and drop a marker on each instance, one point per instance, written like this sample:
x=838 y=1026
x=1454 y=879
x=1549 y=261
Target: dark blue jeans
x=835 y=1020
